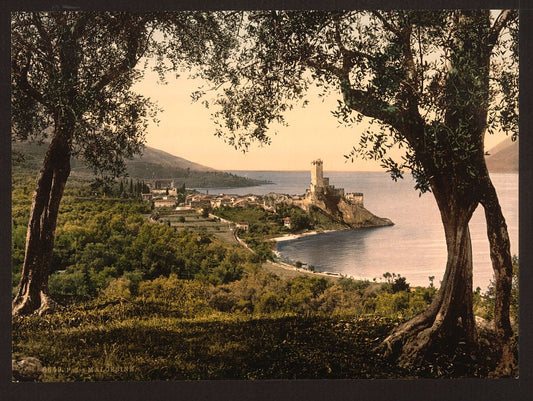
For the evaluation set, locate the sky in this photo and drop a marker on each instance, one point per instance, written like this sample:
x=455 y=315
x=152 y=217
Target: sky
x=186 y=130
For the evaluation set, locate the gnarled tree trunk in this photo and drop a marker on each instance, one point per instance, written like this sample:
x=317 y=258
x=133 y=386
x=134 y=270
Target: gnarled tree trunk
x=33 y=289
x=450 y=315
x=502 y=264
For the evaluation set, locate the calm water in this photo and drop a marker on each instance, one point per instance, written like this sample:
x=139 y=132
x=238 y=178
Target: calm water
x=414 y=247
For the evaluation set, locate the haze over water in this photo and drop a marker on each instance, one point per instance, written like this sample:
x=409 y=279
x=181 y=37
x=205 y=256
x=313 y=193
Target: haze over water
x=414 y=247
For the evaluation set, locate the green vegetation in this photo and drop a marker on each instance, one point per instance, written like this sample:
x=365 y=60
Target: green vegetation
x=101 y=239
x=145 y=301
x=259 y=327
x=264 y=224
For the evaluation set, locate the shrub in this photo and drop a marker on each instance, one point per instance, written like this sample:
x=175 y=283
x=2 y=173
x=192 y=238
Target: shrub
x=348 y=284
x=69 y=283
x=223 y=301
x=118 y=290
x=399 y=284
x=225 y=272
x=269 y=302
x=391 y=304
x=304 y=292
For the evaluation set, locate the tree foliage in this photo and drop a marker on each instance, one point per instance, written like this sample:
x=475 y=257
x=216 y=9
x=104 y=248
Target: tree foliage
x=104 y=52
x=387 y=66
x=432 y=83
x=72 y=74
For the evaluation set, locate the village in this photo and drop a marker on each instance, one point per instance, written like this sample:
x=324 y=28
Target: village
x=169 y=201
x=165 y=195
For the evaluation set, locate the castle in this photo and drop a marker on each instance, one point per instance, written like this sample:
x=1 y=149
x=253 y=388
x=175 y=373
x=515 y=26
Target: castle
x=344 y=207
x=320 y=186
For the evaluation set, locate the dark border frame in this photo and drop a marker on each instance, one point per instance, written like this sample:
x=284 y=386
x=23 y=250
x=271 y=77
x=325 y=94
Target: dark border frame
x=467 y=389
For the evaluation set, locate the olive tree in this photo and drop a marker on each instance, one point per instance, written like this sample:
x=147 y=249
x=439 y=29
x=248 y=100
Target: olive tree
x=433 y=83
x=72 y=74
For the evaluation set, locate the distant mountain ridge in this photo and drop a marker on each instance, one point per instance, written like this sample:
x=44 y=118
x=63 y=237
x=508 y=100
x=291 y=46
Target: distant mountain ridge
x=157 y=156
x=35 y=152
x=503 y=158
x=152 y=164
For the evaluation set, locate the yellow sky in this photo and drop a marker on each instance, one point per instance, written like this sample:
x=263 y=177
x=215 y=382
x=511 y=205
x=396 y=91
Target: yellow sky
x=186 y=130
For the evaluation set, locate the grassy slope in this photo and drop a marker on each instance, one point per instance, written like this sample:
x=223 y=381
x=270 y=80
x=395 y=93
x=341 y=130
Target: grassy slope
x=155 y=348
x=99 y=344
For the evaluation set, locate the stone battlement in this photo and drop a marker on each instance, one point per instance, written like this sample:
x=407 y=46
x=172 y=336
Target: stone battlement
x=320 y=185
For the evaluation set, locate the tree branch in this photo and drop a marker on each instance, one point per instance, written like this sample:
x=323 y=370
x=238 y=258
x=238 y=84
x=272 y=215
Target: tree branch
x=46 y=41
x=369 y=105
x=410 y=83
x=20 y=74
x=349 y=57
x=323 y=66
x=128 y=62
x=386 y=23
x=501 y=22
x=79 y=27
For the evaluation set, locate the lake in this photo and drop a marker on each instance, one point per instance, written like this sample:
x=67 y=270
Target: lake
x=414 y=247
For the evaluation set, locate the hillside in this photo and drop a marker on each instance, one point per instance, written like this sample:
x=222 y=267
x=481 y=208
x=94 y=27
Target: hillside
x=503 y=158
x=153 y=164
x=156 y=156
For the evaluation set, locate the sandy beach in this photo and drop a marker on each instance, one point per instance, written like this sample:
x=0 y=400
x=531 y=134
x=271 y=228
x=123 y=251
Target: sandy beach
x=290 y=237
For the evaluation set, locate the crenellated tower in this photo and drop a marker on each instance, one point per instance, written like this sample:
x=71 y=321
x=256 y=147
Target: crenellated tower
x=344 y=207
x=317 y=174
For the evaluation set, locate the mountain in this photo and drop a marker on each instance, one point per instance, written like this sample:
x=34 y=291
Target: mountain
x=152 y=155
x=503 y=158
x=153 y=164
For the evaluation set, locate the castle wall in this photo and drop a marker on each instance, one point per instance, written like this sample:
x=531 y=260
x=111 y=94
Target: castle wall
x=338 y=192
x=355 y=198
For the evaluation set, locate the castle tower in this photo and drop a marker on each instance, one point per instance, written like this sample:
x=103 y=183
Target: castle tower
x=317 y=174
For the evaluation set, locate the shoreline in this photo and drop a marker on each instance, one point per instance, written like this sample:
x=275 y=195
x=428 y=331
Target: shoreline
x=288 y=266
x=299 y=270
x=290 y=237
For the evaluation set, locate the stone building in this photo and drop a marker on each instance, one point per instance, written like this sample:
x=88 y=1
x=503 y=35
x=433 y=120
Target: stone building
x=163 y=184
x=165 y=202
x=319 y=184
x=317 y=175
x=355 y=198
x=242 y=225
x=347 y=208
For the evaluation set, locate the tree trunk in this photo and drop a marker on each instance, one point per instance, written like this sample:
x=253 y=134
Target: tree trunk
x=33 y=289
x=450 y=316
x=500 y=254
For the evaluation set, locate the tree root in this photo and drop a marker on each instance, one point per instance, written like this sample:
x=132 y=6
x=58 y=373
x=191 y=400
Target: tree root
x=23 y=305
x=507 y=366
x=410 y=343
x=26 y=305
x=48 y=305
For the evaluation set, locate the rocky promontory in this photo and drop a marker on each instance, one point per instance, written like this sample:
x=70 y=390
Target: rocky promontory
x=347 y=208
